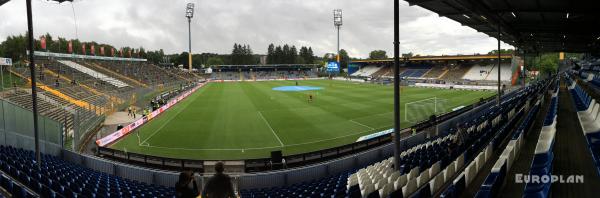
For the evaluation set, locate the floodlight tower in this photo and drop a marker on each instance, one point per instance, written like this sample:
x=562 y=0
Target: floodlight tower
x=189 y=13
x=337 y=21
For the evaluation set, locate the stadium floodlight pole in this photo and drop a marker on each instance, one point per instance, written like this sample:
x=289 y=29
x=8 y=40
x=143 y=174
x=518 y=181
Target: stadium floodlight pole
x=499 y=80
x=337 y=22
x=38 y=157
x=189 y=13
x=396 y=85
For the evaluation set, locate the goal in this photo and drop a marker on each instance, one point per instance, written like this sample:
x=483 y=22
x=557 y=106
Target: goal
x=422 y=109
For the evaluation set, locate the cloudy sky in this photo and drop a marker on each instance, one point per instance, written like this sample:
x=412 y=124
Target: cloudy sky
x=217 y=24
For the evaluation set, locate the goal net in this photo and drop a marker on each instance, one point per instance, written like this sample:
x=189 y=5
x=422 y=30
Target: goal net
x=422 y=109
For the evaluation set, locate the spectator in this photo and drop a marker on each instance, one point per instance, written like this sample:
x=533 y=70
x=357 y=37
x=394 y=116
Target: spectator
x=219 y=185
x=186 y=186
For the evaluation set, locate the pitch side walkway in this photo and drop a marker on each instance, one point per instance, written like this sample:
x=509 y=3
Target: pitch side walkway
x=572 y=156
x=110 y=126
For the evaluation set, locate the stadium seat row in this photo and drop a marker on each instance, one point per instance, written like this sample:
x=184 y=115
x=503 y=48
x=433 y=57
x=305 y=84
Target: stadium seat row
x=485 y=151
x=58 y=178
x=497 y=175
x=543 y=155
x=588 y=111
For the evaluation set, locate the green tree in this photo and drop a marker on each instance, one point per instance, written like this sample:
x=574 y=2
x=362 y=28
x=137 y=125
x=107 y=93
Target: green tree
x=344 y=58
x=377 y=54
x=214 y=61
x=502 y=51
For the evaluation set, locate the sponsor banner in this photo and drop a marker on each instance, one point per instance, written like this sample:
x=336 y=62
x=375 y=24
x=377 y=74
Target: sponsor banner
x=5 y=61
x=43 y=42
x=70 y=49
x=129 y=128
x=374 y=135
x=77 y=56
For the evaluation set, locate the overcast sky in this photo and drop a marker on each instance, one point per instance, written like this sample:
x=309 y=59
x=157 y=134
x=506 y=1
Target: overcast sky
x=217 y=24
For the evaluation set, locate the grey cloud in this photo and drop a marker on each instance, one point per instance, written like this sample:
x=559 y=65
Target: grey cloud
x=217 y=24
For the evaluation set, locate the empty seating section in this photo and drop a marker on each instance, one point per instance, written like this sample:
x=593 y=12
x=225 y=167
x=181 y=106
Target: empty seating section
x=589 y=119
x=456 y=72
x=385 y=71
x=263 y=75
x=142 y=72
x=494 y=180
x=58 y=178
x=480 y=150
x=94 y=74
x=14 y=188
x=421 y=164
x=436 y=71
x=413 y=73
x=367 y=71
x=541 y=164
x=489 y=72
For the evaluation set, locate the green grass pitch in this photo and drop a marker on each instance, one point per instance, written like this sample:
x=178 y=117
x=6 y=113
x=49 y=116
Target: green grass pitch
x=245 y=120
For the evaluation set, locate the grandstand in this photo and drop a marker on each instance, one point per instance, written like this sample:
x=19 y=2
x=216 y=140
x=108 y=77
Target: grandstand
x=452 y=69
x=367 y=71
x=262 y=72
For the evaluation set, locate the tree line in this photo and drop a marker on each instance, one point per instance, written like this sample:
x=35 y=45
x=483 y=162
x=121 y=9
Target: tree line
x=15 y=47
x=287 y=54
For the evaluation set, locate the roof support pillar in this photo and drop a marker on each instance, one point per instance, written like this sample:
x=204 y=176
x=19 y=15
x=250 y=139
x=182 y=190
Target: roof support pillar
x=499 y=61
x=396 y=85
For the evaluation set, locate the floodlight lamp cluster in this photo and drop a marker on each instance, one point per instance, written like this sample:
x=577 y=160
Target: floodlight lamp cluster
x=337 y=17
x=189 y=11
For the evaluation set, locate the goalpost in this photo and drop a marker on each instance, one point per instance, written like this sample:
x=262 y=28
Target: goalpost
x=421 y=110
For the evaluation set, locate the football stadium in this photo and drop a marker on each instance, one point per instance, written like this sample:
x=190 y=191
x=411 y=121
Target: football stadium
x=129 y=99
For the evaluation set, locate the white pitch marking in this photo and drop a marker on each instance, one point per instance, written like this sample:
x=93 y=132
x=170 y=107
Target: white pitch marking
x=269 y=125
x=165 y=123
x=361 y=124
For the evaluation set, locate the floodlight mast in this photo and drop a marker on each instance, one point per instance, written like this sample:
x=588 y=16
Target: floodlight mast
x=337 y=22
x=189 y=13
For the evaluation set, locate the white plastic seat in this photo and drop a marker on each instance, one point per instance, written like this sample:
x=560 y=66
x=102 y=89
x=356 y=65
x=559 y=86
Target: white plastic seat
x=380 y=183
x=385 y=191
x=435 y=169
x=436 y=183
x=449 y=172
x=367 y=190
x=410 y=188
x=413 y=173
x=480 y=160
x=488 y=152
x=587 y=116
x=393 y=177
x=460 y=161
x=423 y=178
x=400 y=182
x=589 y=110
x=470 y=173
